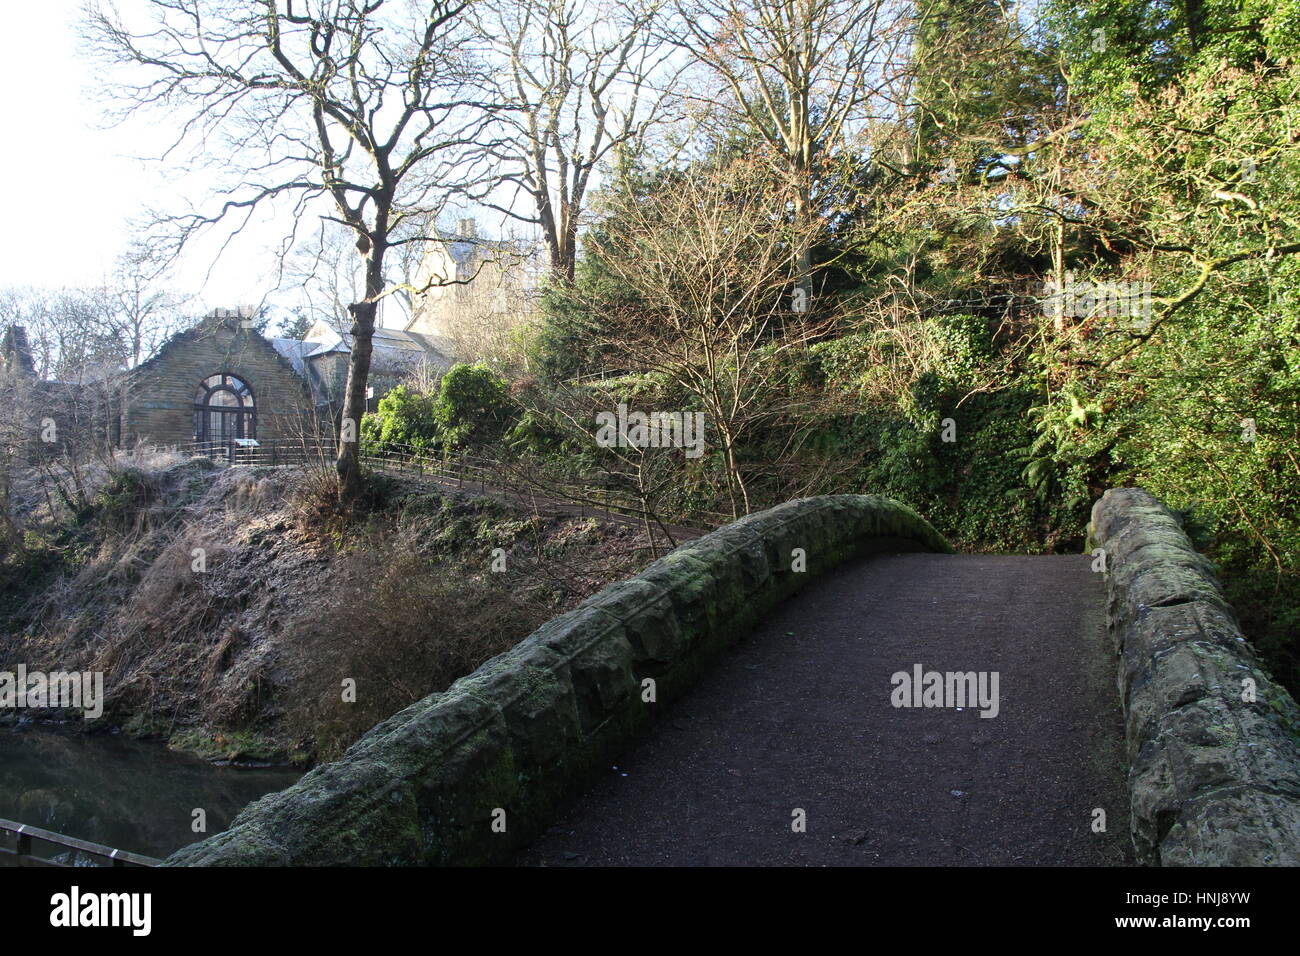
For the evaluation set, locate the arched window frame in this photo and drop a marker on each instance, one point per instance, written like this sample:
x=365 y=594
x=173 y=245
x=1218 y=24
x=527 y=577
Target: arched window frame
x=243 y=410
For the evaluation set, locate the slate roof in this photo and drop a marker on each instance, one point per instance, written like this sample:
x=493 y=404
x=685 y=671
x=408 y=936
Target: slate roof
x=393 y=346
x=295 y=352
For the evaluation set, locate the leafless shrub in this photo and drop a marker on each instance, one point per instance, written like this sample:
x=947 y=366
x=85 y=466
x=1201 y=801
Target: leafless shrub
x=400 y=628
x=314 y=500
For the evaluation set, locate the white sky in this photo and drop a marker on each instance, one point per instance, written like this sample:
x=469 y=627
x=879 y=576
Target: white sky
x=73 y=185
x=68 y=185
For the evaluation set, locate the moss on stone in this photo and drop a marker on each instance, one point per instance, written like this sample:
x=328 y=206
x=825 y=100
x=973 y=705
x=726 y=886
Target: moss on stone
x=529 y=724
x=1214 y=779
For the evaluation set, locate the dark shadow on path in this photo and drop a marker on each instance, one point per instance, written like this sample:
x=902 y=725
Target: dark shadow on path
x=798 y=716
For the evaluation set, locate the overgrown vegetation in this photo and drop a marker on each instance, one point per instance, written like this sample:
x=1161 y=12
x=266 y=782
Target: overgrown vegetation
x=987 y=259
x=472 y=407
x=1068 y=262
x=226 y=606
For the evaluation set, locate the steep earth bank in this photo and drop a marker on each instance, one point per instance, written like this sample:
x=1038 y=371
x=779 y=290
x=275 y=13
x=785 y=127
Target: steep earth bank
x=232 y=614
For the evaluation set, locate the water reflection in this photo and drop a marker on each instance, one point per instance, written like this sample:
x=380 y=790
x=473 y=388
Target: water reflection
x=129 y=794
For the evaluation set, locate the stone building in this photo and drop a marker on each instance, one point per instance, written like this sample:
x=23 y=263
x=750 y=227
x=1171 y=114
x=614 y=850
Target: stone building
x=221 y=382
x=224 y=384
x=323 y=355
x=477 y=292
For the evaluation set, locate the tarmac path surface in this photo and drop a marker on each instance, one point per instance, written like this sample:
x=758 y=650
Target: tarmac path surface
x=797 y=720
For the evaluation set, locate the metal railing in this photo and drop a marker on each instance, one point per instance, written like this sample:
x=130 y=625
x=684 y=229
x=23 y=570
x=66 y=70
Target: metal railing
x=79 y=852
x=582 y=494
x=601 y=375
x=270 y=453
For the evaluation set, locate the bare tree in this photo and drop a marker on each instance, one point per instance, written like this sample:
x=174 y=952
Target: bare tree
x=71 y=332
x=19 y=426
x=138 y=308
x=581 y=82
x=797 y=73
x=328 y=275
x=709 y=258
x=642 y=477
x=370 y=106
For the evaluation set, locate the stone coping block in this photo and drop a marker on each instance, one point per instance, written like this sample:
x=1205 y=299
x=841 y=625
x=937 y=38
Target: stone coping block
x=435 y=783
x=1213 y=740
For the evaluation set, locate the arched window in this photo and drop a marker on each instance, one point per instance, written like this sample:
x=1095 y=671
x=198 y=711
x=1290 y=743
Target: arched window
x=224 y=411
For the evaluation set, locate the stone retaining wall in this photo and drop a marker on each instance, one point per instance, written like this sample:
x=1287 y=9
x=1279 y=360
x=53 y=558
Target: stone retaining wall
x=1214 y=775
x=526 y=728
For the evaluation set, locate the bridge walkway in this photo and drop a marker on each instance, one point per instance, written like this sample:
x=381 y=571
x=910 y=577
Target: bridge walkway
x=799 y=717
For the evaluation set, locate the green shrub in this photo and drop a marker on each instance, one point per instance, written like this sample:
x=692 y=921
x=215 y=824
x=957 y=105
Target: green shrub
x=533 y=434
x=473 y=406
x=122 y=499
x=405 y=417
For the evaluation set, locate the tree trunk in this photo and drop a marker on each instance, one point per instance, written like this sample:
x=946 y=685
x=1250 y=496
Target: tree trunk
x=563 y=244
x=348 y=463
x=802 y=219
x=644 y=501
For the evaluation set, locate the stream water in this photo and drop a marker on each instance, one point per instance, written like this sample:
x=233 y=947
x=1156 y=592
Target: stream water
x=129 y=794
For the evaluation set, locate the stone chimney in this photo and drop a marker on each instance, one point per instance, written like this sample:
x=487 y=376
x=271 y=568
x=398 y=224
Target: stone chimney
x=466 y=229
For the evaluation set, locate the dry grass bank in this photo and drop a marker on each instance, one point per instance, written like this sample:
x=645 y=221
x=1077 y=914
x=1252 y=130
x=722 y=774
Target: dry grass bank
x=232 y=614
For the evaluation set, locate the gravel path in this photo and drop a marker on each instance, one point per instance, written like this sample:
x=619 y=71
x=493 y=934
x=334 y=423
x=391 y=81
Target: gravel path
x=799 y=717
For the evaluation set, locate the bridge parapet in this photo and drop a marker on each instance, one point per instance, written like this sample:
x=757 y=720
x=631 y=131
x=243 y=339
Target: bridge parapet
x=1213 y=741
x=467 y=775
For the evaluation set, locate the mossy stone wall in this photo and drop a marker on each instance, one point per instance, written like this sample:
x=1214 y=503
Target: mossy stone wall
x=1213 y=743
x=425 y=786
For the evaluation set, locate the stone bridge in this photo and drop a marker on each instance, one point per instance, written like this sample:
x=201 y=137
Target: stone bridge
x=827 y=683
